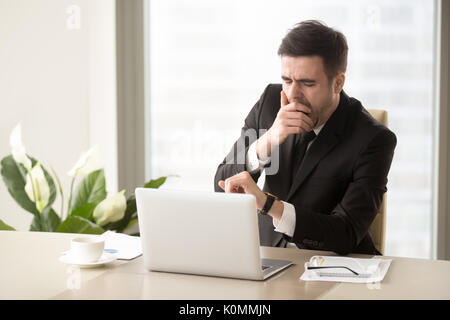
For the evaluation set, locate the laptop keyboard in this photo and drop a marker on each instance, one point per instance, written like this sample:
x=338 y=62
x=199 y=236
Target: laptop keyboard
x=265 y=267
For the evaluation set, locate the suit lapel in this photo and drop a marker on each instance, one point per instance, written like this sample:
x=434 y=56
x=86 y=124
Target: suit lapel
x=327 y=139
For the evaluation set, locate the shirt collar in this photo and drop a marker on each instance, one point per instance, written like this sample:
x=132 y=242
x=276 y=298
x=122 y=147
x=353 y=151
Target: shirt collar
x=318 y=129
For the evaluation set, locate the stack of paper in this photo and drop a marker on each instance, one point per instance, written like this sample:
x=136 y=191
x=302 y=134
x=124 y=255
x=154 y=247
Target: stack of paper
x=122 y=245
x=345 y=269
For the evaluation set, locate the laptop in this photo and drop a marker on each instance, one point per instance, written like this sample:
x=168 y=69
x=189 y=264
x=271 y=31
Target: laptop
x=203 y=233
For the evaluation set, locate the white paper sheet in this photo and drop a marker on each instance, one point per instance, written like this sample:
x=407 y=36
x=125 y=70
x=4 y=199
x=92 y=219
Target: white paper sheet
x=369 y=270
x=125 y=247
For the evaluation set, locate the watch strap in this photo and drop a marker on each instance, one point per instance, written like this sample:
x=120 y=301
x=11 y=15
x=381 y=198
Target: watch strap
x=268 y=205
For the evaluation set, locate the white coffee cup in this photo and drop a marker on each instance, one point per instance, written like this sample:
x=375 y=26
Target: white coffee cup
x=86 y=250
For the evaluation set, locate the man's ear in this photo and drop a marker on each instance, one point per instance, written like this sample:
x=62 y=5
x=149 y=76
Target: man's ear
x=339 y=82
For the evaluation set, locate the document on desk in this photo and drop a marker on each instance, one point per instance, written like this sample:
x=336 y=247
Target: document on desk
x=125 y=247
x=345 y=269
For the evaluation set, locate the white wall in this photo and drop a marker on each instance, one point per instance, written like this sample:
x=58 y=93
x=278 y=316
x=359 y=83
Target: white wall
x=102 y=85
x=58 y=78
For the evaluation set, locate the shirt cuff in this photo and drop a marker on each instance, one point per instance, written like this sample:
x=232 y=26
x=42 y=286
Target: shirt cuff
x=251 y=160
x=287 y=221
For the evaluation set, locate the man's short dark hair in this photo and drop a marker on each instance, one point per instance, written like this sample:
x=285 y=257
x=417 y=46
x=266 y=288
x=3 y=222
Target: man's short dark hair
x=314 y=38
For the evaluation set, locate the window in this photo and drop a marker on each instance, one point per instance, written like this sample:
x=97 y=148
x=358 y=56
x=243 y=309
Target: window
x=210 y=61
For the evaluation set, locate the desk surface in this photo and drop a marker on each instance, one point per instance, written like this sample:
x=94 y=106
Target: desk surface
x=30 y=269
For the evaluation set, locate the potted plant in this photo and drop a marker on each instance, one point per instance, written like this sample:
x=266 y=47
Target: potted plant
x=89 y=208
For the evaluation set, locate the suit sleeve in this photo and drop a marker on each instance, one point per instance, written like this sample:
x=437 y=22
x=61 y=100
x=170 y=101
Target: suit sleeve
x=343 y=229
x=235 y=161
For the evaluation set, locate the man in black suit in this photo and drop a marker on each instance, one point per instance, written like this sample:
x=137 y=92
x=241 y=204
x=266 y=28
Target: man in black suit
x=326 y=158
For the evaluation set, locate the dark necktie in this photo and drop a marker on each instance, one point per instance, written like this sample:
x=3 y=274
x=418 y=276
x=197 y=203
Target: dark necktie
x=300 y=150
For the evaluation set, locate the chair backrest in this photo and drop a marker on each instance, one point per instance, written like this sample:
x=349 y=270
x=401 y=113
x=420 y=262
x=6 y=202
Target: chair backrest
x=378 y=227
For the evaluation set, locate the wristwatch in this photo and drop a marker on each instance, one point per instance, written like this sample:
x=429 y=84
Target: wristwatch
x=269 y=202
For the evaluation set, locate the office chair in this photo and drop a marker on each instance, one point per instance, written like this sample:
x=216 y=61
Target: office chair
x=378 y=227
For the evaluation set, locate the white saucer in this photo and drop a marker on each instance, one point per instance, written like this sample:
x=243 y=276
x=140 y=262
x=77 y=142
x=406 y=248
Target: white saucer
x=104 y=259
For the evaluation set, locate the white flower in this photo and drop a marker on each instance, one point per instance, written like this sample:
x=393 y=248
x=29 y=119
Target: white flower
x=88 y=162
x=111 y=209
x=36 y=182
x=17 y=147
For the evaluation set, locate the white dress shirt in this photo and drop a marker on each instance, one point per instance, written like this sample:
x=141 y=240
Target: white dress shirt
x=288 y=218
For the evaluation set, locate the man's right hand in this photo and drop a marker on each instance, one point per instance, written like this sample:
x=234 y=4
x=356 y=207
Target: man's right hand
x=292 y=118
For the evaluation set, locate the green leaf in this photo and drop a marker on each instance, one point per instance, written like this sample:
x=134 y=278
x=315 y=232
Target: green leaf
x=14 y=177
x=4 y=226
x=51 y=219
x=51 y=185
x=37 y=224
x=77 y=224
x=92 y=189
x=131 y=223
x=48 y=221
x=85 y=211
x=155 y=184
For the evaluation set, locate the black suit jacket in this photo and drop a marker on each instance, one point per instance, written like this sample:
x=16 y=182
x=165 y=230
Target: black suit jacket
x=339 y=188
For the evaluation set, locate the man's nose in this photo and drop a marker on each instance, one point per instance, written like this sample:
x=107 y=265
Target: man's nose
x=295 y=93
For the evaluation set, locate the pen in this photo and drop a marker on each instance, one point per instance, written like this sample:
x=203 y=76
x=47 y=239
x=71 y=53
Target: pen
x=334 y=267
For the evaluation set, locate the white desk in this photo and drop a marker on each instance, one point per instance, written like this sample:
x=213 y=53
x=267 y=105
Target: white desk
x=29 y=269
